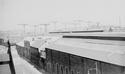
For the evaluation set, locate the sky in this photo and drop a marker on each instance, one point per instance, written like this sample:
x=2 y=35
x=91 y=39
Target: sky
x=33 y=12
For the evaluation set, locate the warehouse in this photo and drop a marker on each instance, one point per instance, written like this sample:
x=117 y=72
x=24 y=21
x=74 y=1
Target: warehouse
x=85 y=56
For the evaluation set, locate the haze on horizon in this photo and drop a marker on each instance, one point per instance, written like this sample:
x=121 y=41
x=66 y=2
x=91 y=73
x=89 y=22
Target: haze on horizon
x=33 y=12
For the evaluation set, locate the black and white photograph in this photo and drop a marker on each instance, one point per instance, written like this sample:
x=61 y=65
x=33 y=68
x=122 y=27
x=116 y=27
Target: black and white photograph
x=62 y=36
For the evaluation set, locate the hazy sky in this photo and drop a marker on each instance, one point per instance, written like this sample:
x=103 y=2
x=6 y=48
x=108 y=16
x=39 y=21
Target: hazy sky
x=13 y=12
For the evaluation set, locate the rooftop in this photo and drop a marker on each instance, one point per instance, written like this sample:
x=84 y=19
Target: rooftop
x=103 y=50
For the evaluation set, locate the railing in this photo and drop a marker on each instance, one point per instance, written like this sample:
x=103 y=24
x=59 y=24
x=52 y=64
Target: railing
x=12 y=68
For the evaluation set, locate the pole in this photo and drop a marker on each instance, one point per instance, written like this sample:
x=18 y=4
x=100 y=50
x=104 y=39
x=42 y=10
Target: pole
x=11 y=59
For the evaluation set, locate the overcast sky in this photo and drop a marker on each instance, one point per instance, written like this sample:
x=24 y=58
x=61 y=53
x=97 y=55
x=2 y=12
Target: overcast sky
x=13 y=12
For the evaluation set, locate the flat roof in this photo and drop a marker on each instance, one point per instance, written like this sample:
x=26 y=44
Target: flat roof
x=37 y=43
x=21 y=43
x=103 y=50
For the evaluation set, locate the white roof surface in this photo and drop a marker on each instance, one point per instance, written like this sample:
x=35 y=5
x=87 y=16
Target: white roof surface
x=41 y=43
x=38 y=43
x=21 y=43
x=103 y=50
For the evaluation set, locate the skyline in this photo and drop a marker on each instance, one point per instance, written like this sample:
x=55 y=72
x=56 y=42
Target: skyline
x=33 y=12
